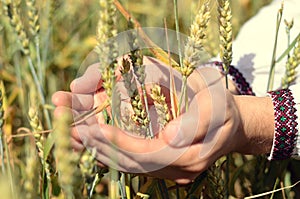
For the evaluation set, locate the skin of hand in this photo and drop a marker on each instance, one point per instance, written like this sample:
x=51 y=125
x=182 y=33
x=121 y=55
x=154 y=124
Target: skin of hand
x=216 y=123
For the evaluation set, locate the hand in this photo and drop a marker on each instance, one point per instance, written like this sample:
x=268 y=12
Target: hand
x=213 y=126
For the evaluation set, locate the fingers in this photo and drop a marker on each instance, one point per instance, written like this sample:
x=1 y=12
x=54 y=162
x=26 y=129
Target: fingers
x=89 y=82
x=79 y=102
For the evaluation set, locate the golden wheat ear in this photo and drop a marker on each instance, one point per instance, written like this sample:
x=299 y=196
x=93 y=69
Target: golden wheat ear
x=290 y=67
x=194 y=50
x=225 y=29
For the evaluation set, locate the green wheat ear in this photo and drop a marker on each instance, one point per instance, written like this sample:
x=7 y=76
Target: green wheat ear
x=290 y=67
x=107 y=46
x=225 y=29
x=11 y=11
x=69 y=176
x=36 y=126
x=194 y=52
x=33 y=18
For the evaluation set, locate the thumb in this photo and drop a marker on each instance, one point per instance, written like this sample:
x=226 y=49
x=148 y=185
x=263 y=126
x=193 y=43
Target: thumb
x=89 y=82
x=185 y=129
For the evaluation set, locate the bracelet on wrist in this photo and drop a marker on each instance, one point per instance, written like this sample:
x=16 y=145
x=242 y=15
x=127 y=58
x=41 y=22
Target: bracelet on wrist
x=285 y=124
x=238 y=79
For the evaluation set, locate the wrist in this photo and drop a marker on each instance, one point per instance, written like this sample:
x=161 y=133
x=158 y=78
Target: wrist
x=256 y=129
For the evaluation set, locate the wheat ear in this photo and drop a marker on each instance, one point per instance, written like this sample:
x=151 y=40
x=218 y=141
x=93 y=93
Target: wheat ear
x=161 y=106
x=69 y=176
x=225 y=29
x=193 y=52
x=290 y=67
x=107 y=46
x=139 y=116
x=39 y=139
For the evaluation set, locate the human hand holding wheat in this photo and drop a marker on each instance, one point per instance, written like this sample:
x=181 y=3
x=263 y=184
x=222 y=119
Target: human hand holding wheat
x=214 y=125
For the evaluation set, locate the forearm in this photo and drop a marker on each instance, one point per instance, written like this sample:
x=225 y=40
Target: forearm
x=256 y=129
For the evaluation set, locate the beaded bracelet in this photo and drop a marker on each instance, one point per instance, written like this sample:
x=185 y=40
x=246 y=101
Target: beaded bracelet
x=285 y=124
x=237 y=77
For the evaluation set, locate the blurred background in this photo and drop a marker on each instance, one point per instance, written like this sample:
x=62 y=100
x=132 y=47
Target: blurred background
x=67 y=35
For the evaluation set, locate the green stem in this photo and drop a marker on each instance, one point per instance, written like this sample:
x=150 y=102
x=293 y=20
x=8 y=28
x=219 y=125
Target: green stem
x=2 y=152
x=18 y=73
x=183 y=93
x=40 y=91
x=178 y=32
x=273 y=61
x=275 y=185
x=9 y=172
x=228 y=155
x=163 y=189
x=41 y=70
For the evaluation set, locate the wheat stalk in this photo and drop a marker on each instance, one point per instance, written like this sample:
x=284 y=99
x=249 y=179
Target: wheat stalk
x=139 y=113
x=1 y=125
x=193 y=53
x=87 y=167
x=10 y=10
x=107 y=46
x=136 y=56
x=31 y=179
x=225 y=29
x=69 y=176
x=39 y=140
